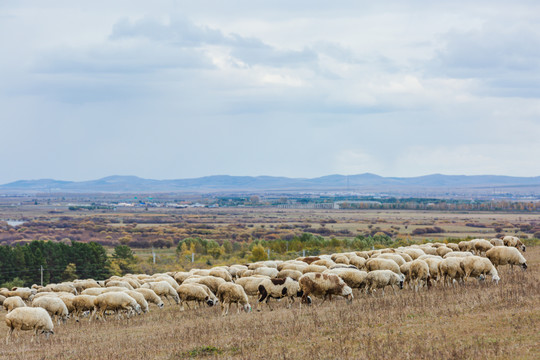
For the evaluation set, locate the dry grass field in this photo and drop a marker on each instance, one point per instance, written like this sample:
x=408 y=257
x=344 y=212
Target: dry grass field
x=472 y=321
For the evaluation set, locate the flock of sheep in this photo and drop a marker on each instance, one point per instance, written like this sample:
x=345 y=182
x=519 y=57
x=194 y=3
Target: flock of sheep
x=321 y=276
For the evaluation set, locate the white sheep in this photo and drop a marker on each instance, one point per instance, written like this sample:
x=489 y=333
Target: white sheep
x=119 y=283
x=27 y=318
x=496 y=242
x=503 y=255
x=193 y=292
x=13 y=302
x=115 y=301
x=251 y=284
x=211 y=281
x=163 y=288
x=267 y=271
x=450 y=270
x=221 y=273
x=392 y=256
x=453 y=246
x=513 y=241
x=293 y=274
x=54 y=306
x=459 y=254
x=355 y=279
x=229 y=293
x=481 y=246
x=150 y=296
x=379 y=279
x=382 y=264
x=477 y=266
x=419 y=274
x=82 y=304
x=324 y=285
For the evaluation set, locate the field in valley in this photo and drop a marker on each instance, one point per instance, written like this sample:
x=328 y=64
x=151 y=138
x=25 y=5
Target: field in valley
x=471 y=321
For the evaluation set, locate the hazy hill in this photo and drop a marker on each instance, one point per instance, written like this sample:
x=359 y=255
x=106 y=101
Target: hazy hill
x=362 y=182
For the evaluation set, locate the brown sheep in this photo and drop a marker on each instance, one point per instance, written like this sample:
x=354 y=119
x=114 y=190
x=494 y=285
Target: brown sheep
x=324 y=285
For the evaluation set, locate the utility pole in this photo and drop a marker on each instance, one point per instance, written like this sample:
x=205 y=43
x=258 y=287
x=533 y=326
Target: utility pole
x=153 y=256
x=192 y=257
x=268 y=252
x=303 y=252
x=41 y=269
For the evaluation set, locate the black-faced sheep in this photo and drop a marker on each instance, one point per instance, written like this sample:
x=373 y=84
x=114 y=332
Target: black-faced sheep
x=503 y=255
x=278 y=289
x=27 y=318
x=193 y=292
x=324 y=285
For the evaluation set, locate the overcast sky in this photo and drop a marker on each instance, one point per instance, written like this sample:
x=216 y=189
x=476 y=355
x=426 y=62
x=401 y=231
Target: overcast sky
x=180 y=89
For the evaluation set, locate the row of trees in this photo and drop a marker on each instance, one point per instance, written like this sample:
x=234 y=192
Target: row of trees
x=61 y=262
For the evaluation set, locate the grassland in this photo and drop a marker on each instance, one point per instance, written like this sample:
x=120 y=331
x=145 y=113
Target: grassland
x=471 y=321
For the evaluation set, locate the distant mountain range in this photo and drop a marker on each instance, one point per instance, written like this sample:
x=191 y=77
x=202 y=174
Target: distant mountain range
x=371 y=183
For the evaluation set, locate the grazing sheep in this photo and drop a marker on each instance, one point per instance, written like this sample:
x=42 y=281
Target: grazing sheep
x=229 y=293
x=211 y=281
x=256 y=265
x=362 y=254
x=26 y=294
x=379 y=279
x=13 y=302
x=139 y=298
x=82 y=304
x=181 y=276
x=193 y=292
x=450 y=269
x=355 y=279
x=419 y=274
x=250 y=284
x=270 y=272
x=150 y=296
x=358 y=261
x=324 y=285
x=221 y=273
x=453 y=246
x=164 y=278
x=81 y=285
x=458 y=254
x=67 y=298
x=465 y=246
x=278 y=289
x=27 y=318
x=94 y=291
x=405 y=271
x=429 y=249
x=481 y=246
x=496 y=242
x=513 y=241
x=503 y=255
x=163 y=288
x=413 y=253
x=54 y=306
x=119 y=283
x=293 y=274
x=396 y=257
x=382 y=264
x=246 y=273
x=324 y=262
x=314 y=269
x=342 y=259
x=115 y=301
x=2 y=298
x=443 y=250
x=234 y=269
x=433 y=263
x=477 y=266
x=292 y=265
